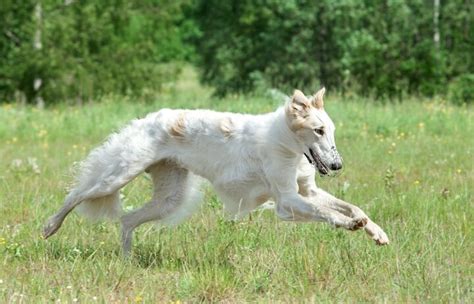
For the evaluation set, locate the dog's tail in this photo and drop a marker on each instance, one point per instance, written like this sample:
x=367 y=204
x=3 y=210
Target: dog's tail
x=108 y=207
x=122 y=157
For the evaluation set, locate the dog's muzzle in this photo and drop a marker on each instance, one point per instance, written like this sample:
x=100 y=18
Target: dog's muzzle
x=317 y=162
x=323 y=169
x=337 y=163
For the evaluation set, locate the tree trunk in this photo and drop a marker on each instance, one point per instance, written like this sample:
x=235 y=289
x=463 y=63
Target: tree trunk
x=436 y=4
x=37 y=45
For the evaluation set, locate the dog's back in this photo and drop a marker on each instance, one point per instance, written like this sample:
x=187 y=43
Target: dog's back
x=211 y=143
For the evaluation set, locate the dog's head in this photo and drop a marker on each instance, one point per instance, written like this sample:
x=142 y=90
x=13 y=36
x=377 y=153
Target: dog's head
x=315 y=130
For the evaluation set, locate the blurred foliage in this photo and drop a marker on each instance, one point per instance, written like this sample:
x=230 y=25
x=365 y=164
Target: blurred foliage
x=385 y=48
x=381 y=48
x=461 y=90
x=89 y=48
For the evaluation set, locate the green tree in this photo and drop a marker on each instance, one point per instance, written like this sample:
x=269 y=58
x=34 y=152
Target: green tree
x=386 y=48
x=90 y=48
x=16 y=44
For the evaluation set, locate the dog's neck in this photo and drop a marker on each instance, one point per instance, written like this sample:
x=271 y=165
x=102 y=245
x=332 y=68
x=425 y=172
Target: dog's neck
x=281 y=134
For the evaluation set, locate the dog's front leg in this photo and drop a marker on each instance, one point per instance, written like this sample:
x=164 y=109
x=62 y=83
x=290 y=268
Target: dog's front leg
x=293 y=207
x=320 y=196
x=311 y=203
x=308 y=189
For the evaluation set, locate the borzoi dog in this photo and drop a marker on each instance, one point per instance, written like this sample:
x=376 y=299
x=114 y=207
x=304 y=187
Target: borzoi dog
x=249 y=159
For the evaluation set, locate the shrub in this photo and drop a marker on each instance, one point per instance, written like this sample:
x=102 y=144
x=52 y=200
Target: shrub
x=461 y=90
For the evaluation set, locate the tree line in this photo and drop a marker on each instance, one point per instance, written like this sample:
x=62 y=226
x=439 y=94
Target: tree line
x=78 y=50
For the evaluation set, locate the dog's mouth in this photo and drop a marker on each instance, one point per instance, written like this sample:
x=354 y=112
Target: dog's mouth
x=317 y=162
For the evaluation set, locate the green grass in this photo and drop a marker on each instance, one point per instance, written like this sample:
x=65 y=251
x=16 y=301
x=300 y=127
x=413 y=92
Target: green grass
x=408 y=165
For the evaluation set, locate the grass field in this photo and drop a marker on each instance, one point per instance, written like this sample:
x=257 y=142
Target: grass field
x=408 y=165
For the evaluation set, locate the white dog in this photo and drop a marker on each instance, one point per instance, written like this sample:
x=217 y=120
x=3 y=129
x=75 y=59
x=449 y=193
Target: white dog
x=249 y=159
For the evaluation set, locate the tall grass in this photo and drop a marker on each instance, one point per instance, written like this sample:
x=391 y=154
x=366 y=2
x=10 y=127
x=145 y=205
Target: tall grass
x=408 y=165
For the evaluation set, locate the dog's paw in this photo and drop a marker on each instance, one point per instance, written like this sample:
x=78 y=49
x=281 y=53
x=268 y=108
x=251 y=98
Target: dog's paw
x=381 y=238
x=377 y=234
x=358 y=223
x=50 y=228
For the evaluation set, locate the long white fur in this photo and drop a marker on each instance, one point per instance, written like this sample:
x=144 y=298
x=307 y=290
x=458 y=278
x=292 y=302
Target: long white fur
x=249 y=159
x=191 y=202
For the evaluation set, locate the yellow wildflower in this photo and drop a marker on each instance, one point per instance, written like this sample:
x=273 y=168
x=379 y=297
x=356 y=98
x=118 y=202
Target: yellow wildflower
x=42 y=133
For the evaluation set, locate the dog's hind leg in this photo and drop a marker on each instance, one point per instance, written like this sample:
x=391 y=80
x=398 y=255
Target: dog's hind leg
x=106 y=195
x=55 y=221
x=99 y=192
x=93 y=191
x=107 y=169
x=174 y=198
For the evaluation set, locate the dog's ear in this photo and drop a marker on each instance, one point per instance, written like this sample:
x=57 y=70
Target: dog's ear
x=299 y=101
x=318 y=102
x=297 y=110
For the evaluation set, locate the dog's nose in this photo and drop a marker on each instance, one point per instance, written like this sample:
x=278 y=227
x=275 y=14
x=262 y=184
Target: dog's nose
x=336 y=166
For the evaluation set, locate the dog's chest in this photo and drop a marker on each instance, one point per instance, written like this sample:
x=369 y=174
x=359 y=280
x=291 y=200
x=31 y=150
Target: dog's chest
x=242 y=196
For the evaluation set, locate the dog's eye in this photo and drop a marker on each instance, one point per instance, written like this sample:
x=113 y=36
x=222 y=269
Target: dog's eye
x=319 y=131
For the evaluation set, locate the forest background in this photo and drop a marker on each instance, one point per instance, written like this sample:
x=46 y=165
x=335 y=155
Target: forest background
x=78 y=51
